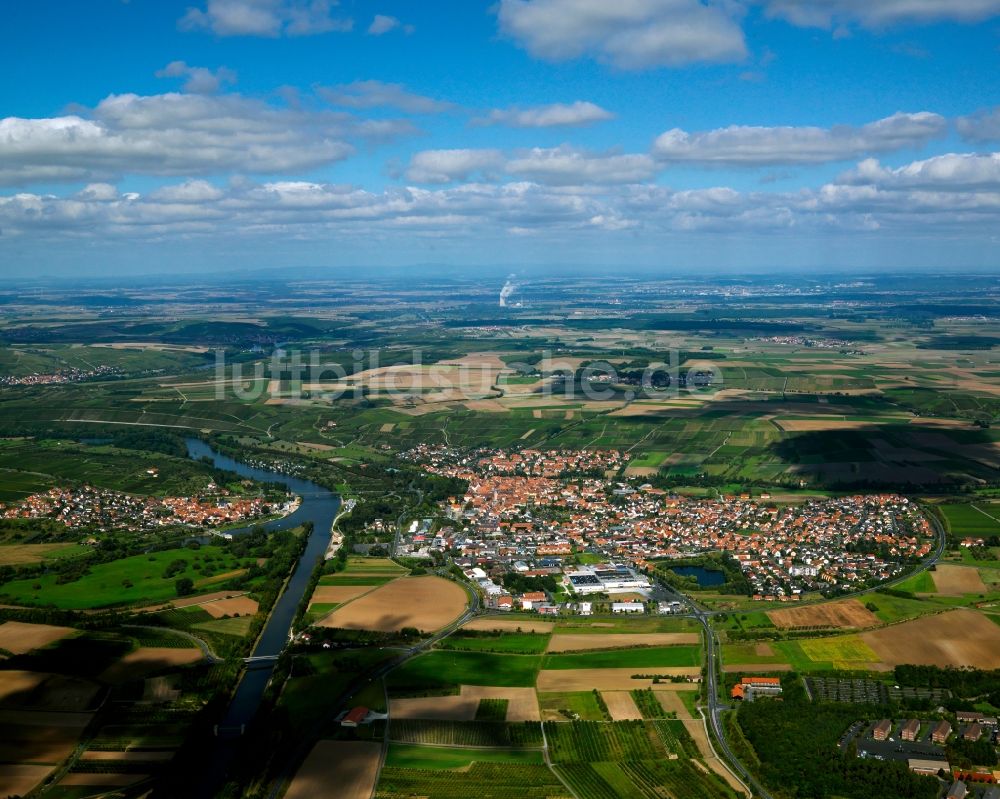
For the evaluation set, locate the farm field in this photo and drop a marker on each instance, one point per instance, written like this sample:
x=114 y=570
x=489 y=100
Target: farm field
x=426 y=603
x=563 y=705
x=843 y=614
x=955 y=638
x=324 y=594
x=352 y=766
x=517 y=643
x=952 y=580
x=489 y=734
x=632 y=760
x=443 y=669
x=610 y=679
x=36 y=738
x=491 y=624
x=653 y=657
x=19 y=779
x=147 y=660
x=971 y=519
x=22 y=554
x=573 y=642
x=20 y=637
x=522 y=704
x=482 y=780
x=621 y=705
x=436 y=757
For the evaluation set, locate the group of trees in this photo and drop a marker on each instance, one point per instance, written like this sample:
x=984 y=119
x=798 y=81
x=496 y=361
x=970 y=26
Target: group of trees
x=796 y=743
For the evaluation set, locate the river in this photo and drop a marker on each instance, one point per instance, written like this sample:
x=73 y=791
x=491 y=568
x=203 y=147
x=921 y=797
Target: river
x=320 y=507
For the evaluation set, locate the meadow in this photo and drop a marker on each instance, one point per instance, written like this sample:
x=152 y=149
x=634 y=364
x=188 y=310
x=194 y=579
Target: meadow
x=638 y=658
x=440 y=669
x=128 y=581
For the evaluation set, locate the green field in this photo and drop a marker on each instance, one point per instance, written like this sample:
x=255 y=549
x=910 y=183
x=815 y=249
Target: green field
x=640 y=658
x=131 y=580
x=922 y=583
x=630 y=759
x=519 y=643
x=971 y=519
x=511 y=735
x=580 y=705
x=438 y=757
x=844 y=652
x=441 y=670
x=481 y=780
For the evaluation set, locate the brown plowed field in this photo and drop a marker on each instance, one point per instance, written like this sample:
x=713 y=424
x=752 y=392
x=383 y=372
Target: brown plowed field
x=849 y=613
x=339 y=593
x=522 y=704
x=950 y=580
x=621 y=705
x=427 y=603
x=344 y=769
x=956 y=638
x=148 y=659
x=19 y=637
x=559 y=680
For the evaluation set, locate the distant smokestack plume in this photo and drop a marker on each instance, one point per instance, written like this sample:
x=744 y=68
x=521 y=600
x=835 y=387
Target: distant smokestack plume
x=508 y=288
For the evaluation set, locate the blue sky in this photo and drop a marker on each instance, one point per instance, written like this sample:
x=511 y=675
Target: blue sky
x=710 y=134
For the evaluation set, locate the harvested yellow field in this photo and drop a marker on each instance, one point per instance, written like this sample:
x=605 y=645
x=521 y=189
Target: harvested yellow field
x=957 y=638
x=845 y=614
x=949 y=579
x=621 y=706
x=568 y=642
x=671 y=702
x=147 y=659
x=21 y=554
x=426 y=602
x=15 y=682
x=82 y=780
x=522 y=704
x=19 y=637
x=556 y=680
x=819 y=425
x=339 y=593
x=143 y=756
x=39 y=737
x=510 y=626
x=18 y=780
x=190 y=601
x=237 y=606
x=345 y=769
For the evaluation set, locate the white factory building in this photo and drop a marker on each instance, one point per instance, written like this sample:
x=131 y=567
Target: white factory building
x=607 y=578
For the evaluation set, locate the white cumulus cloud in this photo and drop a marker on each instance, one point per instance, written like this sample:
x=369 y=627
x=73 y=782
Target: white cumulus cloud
x=629 y=34
x=740 y=145
x=270 y=18
x=446 y=166
x=879 y=13
x=376 y=94
x=547 y=116
x=198 y=80
x=383 y=23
